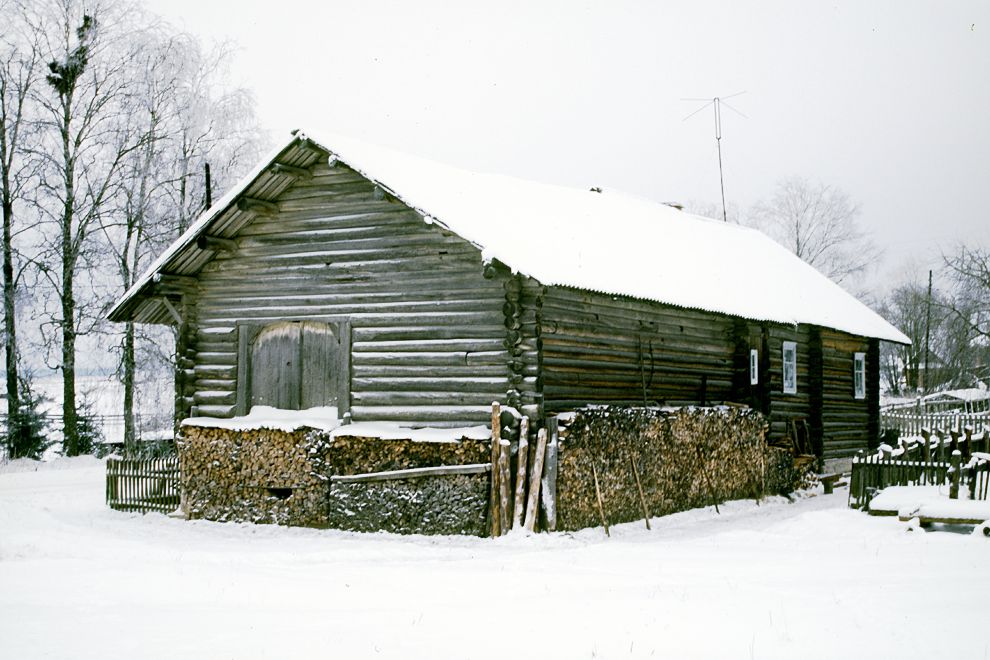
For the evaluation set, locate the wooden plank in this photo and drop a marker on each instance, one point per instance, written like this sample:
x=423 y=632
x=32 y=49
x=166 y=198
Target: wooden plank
x=494 y=511
x=535 y=480
x=548 y=482
x=522 y=456
x=412 y=473
x=244 y=336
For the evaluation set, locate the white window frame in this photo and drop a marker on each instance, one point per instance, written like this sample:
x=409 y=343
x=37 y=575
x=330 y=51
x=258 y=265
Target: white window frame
x=859 y=375
x=789 y=366
x=754 y=367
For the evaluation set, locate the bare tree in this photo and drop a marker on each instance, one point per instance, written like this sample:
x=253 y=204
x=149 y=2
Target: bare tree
x=189 y=117
x=88 y=135
x=19 y=67
x=818 y=223
x=969 y=304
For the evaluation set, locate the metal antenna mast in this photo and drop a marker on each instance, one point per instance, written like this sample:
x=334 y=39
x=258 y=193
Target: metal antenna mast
x=716 y=104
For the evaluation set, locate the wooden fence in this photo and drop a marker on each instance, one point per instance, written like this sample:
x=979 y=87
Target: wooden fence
x=951 y=461
x=912 y=423
x=143 y=485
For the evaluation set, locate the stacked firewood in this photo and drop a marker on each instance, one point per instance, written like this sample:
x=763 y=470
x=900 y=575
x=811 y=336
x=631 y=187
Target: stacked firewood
x=622 y=464
x=262 y=475
x=282 y=477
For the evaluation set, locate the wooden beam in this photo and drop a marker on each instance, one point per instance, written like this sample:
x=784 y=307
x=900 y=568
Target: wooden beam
x=216 y=243
x=257 y=206
x=172 y=310
x=182 y=281
x=413 y=473
x=309 y=145
x=290 y=170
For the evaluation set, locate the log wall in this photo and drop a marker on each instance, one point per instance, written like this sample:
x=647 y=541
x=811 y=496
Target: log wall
x=427 y=330
x=597 y=348
x=846 y=418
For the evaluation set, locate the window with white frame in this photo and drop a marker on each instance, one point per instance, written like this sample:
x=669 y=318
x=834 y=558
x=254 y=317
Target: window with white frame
x=754 y=367
x=790 y=367
x=859 y=375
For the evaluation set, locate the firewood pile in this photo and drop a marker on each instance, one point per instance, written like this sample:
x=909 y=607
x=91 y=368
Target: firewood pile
x=261 y=476
x=451 y=504
x=280 y=477
x=650 y=462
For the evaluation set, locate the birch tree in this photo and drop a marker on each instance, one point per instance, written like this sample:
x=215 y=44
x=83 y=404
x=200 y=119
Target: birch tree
x=820 y=224
x=189 y=116
x=19 y=68
x=88 y=136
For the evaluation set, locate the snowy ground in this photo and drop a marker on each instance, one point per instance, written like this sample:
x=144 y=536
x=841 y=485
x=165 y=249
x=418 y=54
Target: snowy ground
x=806 y=580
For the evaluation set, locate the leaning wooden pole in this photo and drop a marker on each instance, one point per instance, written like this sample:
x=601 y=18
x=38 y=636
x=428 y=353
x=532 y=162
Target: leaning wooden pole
x=522 y=461
x=598 y=494
x=493 y=500
x=533 y=505
x=639 y=487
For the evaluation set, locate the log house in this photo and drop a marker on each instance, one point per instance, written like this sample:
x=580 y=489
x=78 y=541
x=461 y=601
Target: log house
x=338 y=273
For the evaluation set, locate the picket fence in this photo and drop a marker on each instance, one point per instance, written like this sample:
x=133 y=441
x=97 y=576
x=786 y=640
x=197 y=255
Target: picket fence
x=952 y=460
x=143 y=485
x=912 y=423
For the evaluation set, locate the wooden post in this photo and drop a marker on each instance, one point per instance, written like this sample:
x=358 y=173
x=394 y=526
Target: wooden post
x=493 y=503
x=522 y=458
x=534 y=481
x=639 y=487
x=956 y=462
x=548 y=483
x=598 y=494
x=504 y=487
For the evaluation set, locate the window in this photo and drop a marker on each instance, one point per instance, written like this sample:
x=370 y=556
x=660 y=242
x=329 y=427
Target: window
x=754 y=367
x=859 y=375
x=790 y=367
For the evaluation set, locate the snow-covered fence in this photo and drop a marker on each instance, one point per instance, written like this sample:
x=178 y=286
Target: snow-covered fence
x=938 y=462
x=143 y=485
x=912 y=423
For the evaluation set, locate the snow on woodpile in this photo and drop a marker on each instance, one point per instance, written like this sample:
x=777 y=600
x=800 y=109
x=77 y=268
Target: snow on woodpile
x=615 y=243
x=325 y=419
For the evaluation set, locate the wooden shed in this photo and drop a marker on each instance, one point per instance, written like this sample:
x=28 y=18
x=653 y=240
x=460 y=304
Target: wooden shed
x=394 y=288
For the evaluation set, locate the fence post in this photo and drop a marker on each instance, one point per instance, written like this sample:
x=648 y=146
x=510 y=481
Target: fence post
x=955 y=462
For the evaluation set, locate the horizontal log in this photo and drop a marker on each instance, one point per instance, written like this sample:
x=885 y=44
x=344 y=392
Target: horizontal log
x=413 y=473
x=425 y=398
x=290 y=170
x=256 y=206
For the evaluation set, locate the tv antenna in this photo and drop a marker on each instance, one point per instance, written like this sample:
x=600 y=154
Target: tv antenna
x=717 y=103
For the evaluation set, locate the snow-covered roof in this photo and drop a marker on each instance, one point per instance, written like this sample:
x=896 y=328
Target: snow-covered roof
x=605 y=241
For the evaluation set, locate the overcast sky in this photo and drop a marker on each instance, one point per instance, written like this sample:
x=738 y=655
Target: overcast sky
x=886 y=100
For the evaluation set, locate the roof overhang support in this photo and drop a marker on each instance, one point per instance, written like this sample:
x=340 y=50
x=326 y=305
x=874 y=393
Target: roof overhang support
x=290 y=170
x=257 y=206
x=312 y=147
x=172 y=310
x=216 y=243
x=174 y=284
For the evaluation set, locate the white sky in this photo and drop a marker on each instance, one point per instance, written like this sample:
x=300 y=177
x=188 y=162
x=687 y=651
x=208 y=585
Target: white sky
x=886 y=100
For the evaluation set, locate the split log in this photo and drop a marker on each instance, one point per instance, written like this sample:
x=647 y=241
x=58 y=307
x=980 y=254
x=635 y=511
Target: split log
x=493 y=505
x=521 y=464
x=534 y=481
x=548 y=483
x=639 y=487
x=504 y=482
x=598 y=495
